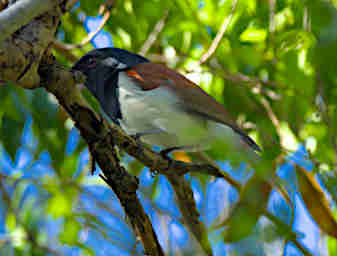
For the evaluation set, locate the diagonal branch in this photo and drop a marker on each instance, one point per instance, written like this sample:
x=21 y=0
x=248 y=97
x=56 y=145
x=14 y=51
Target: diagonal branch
x=219 y=35
x=154 y=34
x=66 y=49
x=188 y=208
x=87 y=39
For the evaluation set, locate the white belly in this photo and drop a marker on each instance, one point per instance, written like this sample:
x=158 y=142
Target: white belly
x=157 y=110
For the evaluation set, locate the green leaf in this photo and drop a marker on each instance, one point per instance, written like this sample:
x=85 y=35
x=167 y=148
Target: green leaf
x=59 y=205
x=10 y=222
x=86 y=250
x=295 y=40
x=10 y=134
x=51 y=132
x=70 y=232
x=69 y=166
x=90 y=7
x=254 y=35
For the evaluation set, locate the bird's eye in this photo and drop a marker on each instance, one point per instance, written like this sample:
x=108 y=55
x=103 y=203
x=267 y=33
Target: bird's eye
x=92 y=62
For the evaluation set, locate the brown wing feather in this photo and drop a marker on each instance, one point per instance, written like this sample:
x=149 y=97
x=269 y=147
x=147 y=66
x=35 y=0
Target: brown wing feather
x=195 y=100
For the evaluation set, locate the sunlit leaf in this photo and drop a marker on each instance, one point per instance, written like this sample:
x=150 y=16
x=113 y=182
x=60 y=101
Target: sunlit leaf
x=246 y=213
x=295 y=40
x=316 y=202
x=10 y=222
x=69 y=234
x=253 y=35
x=59 y=205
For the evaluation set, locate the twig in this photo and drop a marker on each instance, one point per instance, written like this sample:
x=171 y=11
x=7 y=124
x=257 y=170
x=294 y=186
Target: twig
x=216 y=68
x=272 y=116
x=306 y=19
x=291 y=222
x=237 y=185
x=272 y=16
x=291 y=235
x=87 y=39
x=219 y=35
x=154 y=34
x=107 y=6
x=187 y=206
x=70 y=4
x=60 y=47
x=66 y=49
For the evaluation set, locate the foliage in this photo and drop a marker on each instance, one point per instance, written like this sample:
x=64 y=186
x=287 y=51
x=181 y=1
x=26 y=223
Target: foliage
x=274 y=70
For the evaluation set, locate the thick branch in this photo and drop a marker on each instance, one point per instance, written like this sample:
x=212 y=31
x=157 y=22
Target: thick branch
x=20 y=54
x=22 y=12
x=188 y=208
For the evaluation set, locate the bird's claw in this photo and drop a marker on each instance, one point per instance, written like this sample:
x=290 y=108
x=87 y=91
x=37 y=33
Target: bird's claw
x=136 y=137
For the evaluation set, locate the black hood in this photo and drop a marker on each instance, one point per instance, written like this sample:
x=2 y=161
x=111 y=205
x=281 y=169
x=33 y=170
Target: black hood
x=102 y=79
x=128 y=58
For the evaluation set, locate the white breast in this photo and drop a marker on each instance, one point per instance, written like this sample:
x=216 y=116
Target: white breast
x=156 y=110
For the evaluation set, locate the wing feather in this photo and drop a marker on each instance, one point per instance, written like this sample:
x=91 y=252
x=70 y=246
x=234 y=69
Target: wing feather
x=193 y=99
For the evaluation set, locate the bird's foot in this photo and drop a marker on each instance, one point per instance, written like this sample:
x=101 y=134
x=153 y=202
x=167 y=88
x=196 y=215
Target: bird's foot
x=165 y=152
x=136 y=137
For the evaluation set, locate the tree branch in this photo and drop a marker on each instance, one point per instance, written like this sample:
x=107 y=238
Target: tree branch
x=22 y=12
x=88 y=38
x=188 y=208
x=219 y=35
x=154 y=34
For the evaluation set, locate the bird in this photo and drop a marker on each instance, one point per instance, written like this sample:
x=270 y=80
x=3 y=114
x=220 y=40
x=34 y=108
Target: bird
x=162 y=107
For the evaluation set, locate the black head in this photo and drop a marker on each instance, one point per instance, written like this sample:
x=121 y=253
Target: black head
x=101 y=67
x=95 y=59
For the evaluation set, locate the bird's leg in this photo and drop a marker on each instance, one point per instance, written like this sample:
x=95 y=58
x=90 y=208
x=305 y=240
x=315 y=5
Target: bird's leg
x=138 y=135
x=164 y=153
